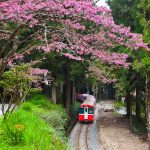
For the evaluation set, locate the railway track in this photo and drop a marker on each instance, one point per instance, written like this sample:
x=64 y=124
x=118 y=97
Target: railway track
x=84 y=136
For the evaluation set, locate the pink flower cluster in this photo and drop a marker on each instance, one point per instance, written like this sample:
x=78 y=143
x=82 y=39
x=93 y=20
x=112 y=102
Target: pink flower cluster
x=74 y=25
x=38 y=71
x=112 y=58
x=70 y=56
x=100 y=74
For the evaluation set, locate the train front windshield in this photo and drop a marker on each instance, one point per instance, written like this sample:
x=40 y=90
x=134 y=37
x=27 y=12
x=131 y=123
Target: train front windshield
x=90 y=110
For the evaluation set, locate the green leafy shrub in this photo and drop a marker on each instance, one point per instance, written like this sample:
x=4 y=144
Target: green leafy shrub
x=118 y=105
x=50 y=110
x=75 y=109
x=39 y=100
x=56 y=119
x=16 y=84
x=43 y=102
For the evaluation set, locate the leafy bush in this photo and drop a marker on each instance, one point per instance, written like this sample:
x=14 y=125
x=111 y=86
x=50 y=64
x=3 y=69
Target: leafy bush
x=118 y=105
x=42 y=102
x=39 y=100
x=16 y=84
x=75 y=109
x=55 y=118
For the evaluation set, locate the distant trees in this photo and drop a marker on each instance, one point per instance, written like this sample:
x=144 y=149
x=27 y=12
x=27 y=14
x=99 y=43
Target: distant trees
x=144 y=16
x=125 y=12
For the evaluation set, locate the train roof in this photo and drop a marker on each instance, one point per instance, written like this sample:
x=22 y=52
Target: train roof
x=90 y=101
x=91 y=97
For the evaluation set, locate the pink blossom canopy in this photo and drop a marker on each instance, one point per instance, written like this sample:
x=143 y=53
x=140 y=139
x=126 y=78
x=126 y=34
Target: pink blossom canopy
x=79 y=29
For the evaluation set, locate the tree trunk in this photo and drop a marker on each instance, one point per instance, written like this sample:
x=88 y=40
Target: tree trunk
x=99 y=91
x=131 y=121
x=128 y=100
x=96 y=91
x=73 y=92
x=2 y=68
x=148 y=108
x=148 y=120
x=54 y=97
x=138 y=99
x=68 y=90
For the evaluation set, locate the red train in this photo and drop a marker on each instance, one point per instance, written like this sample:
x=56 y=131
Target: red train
x=86 y=111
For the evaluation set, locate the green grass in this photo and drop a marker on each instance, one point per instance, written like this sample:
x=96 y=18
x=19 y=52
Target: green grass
x=36 y=125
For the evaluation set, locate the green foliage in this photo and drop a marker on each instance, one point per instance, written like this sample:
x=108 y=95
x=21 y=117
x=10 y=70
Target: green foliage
x=27 y=106
x=139 y=127
x=134 y=13
x=54 y=114
x=143 y=64
x=42 y=101
x=144 y=16
x=125 y=12
x=35 y=126
x=18 y=75
x=78 y=69
x=118 y=105
x=16 y=85
x=122 y=82
x=26 y=128
x=54 y=67
x=100 y=71
x=120 y=88
x=57 y=120
x=39 y=100
x=75 y=109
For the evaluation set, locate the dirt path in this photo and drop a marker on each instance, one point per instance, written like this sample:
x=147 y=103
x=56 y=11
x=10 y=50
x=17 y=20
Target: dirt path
x=115 y=134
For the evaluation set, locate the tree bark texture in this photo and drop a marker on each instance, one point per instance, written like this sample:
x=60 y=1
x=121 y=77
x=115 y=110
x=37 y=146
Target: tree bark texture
x=73 y=91
x=68 y=90
x=138 y=98
x=128 y=100
x=54 y=96
x=148 y=108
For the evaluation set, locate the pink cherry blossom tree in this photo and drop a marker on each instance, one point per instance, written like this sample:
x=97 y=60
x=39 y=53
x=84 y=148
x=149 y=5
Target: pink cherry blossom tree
x=72 y=28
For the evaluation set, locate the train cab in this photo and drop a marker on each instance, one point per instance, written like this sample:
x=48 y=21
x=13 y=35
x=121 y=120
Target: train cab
x=86 y=110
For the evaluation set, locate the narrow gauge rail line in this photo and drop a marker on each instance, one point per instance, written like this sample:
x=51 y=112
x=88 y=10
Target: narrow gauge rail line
x=78 y=137
x=83 y=144
x=84 y=137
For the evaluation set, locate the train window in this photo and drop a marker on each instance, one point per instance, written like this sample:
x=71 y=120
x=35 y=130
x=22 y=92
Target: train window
x=90 y=110
x=81 y=110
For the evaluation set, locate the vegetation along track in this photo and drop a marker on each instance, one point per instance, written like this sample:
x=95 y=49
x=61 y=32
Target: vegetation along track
x=84 y=136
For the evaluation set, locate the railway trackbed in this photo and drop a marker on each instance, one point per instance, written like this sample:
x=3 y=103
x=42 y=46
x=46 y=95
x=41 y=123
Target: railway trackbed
x=84 y=137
